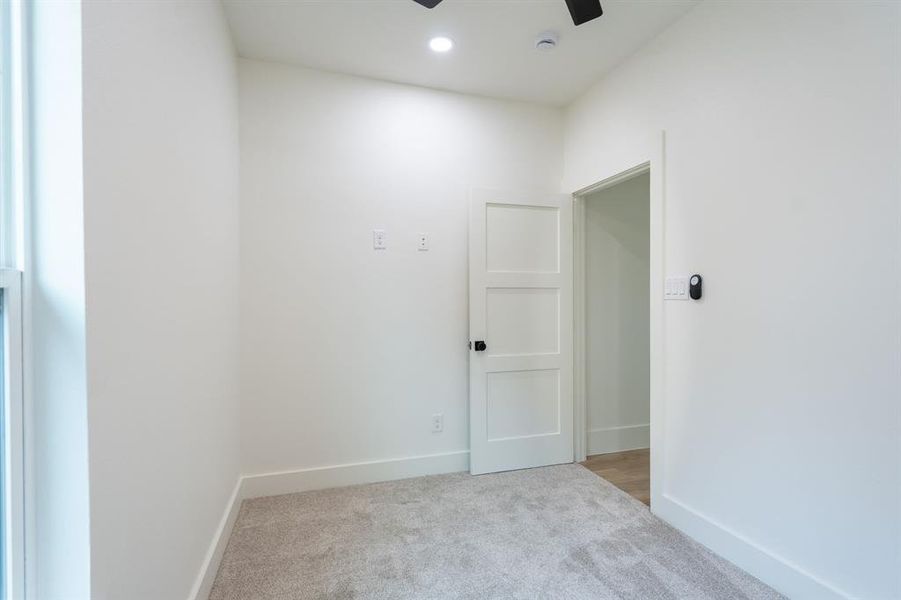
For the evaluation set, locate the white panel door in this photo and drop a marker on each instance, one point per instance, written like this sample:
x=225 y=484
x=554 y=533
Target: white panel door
x=520 y=327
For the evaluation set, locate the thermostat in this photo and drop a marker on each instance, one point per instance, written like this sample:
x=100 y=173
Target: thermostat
x=694 y=286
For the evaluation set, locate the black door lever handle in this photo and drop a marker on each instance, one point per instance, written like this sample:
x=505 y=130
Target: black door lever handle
x=480 y=346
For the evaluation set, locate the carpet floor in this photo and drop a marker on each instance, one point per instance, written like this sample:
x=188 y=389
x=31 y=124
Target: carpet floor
x=553 y=532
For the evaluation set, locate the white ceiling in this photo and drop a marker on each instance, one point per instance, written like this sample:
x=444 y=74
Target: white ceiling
x=495 y=51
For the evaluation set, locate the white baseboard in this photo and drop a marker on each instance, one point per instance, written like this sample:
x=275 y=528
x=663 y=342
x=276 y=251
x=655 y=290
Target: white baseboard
x=204 y=582
x=618 y=439
x=316 y=478
x=777 y=572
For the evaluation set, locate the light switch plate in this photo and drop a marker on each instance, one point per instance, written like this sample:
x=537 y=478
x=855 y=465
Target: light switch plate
x=422 y=240
x=379 y=241
x=675 y=288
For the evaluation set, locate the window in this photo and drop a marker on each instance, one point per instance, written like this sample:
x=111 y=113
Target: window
x=12 y=161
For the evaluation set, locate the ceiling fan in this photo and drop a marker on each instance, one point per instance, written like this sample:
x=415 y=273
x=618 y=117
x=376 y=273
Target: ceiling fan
x=581 y=11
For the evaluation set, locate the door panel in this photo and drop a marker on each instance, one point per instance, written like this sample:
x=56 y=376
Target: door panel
x=508 y=308
x=523 y=403
x=522 y=238
x=520 y=276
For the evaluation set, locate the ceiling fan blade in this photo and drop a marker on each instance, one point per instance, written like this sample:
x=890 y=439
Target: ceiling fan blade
x=428 y=3
x=583 y=11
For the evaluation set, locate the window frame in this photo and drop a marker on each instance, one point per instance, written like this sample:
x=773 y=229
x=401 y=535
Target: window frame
x=12 y=401
x=13 y=408
x=12 y=133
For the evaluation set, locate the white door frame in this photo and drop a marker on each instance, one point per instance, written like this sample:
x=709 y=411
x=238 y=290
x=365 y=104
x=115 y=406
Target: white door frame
x=653 y=164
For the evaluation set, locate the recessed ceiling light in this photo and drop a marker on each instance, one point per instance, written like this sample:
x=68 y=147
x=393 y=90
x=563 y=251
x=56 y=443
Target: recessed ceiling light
x=441 y=44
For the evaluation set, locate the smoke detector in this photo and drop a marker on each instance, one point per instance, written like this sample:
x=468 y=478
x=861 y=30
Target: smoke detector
x=546 y=42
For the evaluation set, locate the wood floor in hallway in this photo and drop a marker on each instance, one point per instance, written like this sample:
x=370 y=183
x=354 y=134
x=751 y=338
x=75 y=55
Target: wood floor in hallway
x=630 y=471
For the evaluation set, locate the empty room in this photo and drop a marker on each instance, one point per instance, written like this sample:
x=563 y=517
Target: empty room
x=450 y=299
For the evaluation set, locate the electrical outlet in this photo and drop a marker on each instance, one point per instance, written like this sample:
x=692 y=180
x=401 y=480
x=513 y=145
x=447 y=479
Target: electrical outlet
x=379 y=241
x=437 y=423
x=423 y=244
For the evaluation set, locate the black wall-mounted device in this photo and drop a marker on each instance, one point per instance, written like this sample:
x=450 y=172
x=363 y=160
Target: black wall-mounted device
x=694 y=286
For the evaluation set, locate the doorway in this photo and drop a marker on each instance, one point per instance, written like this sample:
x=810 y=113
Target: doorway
x=528 y=326
x=613 y=329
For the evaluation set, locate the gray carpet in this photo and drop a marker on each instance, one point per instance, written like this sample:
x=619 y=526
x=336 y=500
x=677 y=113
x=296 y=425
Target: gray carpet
x=554 y=532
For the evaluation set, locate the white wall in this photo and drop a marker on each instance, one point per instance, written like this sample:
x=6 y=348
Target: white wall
x=617 y=274
x=161 y=237
x=58 y=529
x=782 y=188
x=347 y=352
